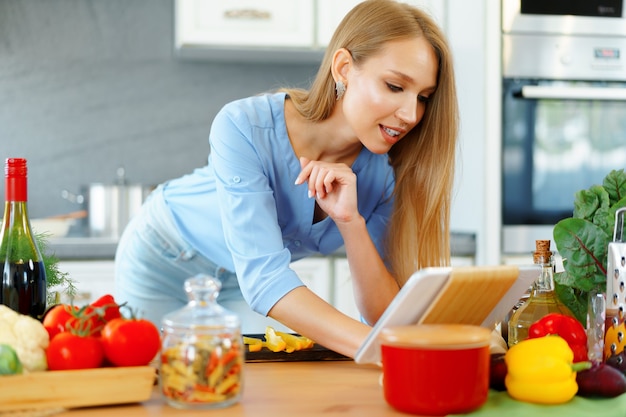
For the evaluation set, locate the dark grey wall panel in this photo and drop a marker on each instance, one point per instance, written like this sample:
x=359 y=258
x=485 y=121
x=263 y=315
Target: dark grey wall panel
x=90 y=85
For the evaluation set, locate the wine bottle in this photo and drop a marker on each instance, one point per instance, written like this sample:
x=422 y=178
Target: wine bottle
x=23 y=272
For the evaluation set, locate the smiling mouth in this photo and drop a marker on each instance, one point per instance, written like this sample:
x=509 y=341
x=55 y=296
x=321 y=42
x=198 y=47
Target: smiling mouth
x=391 y=136
x=391 y=132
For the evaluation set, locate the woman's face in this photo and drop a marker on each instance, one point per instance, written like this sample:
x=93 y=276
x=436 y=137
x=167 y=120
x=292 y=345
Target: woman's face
x=386 y=95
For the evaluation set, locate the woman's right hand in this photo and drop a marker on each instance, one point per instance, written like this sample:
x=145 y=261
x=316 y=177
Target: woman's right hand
x=334 y=187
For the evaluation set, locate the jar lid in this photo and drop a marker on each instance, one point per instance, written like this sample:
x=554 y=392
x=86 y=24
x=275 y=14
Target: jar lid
x=439 y=336
x=202 y=312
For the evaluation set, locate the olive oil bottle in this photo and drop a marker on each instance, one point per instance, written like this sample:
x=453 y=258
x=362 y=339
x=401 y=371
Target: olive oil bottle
x=542 y=300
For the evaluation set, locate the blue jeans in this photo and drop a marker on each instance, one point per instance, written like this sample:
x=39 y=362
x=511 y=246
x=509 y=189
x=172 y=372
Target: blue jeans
x=153 y=261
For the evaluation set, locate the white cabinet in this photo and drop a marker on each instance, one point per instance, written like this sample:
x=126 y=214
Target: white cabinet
x=316 y=275
x=271 y=30
x=244 y=23
x=343 y=294
x=92 y=279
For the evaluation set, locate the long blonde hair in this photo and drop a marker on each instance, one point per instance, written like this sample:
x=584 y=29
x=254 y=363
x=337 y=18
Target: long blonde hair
x=424 y=161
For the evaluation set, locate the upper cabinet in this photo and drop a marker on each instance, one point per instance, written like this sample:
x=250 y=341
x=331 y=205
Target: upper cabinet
x=286 y=23
x=244 y=29
x=277 y=30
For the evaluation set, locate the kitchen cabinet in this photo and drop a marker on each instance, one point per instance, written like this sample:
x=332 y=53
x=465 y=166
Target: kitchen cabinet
x=244 y=30
x=316 y=275
x=285 y=23
x=342 y=289
x=92 y=279
x=276 y=30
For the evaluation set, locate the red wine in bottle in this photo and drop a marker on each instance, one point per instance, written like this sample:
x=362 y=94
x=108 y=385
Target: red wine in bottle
x=23 y=272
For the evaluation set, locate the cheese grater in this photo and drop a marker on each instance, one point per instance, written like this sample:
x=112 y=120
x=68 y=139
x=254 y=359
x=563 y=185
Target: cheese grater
x=616 y=290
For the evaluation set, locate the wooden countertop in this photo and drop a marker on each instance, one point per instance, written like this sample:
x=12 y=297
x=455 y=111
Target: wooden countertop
x=280 y=389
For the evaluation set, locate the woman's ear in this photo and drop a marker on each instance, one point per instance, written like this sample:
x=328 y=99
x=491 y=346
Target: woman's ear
x=342 y=62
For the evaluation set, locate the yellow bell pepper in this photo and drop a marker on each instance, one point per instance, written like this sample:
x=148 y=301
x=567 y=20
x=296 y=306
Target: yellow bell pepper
x=254 y=344
x=614 y=341
x=541 y=371
x=278 y=342
x=274 y=342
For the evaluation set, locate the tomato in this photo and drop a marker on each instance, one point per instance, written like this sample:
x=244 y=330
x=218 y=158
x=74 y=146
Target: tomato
x=130 y=342
x=70 y=351
x=108 y=306
x=101 y=311
x=56 y=319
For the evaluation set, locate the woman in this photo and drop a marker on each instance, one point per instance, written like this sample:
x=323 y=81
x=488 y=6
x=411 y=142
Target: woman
x=363 y=159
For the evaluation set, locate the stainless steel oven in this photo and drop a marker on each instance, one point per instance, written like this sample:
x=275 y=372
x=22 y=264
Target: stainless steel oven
x=563 y=109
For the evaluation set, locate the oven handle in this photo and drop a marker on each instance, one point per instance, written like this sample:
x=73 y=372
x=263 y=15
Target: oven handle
x=573 y=93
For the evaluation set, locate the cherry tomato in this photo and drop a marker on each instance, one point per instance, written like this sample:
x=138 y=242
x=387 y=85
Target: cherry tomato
x=56 y=319
x=101 y=311
x=130 y=342
x=71 y=351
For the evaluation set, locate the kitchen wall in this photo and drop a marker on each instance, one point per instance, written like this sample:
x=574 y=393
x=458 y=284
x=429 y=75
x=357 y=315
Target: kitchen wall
x=87 y=86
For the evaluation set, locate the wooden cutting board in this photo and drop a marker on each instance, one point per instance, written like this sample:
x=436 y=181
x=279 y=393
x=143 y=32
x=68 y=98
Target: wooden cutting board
x=77 y=388
x=474 y=292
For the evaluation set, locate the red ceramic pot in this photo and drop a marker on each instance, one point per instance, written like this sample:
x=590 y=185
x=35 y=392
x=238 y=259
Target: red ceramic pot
x=435 y=370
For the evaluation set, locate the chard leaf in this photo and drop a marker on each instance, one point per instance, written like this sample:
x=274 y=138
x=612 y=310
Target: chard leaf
x=583 y=241
x=575 y=300
x=583 y=246
x=615 y=185
x=588 y=202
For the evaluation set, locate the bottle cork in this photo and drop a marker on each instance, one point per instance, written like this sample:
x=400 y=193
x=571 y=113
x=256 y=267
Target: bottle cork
x=542 y=251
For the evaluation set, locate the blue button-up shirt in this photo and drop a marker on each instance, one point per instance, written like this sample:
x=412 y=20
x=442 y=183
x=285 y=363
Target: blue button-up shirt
x=244 y=212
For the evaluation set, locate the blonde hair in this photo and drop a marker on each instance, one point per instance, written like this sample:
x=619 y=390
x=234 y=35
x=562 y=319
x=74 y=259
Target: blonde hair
x=424 y=161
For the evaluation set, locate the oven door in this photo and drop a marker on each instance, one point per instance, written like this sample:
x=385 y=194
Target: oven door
x=558 y=137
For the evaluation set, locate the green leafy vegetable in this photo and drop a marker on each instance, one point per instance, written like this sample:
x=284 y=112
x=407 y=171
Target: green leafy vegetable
x=583 y=240
x=55 y=278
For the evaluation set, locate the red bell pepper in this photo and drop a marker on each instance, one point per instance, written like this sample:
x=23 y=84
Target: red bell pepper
x=568 y=328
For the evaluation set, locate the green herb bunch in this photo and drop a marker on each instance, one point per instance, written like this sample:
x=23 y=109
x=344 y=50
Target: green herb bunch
x=57 y=282
x=583 y=239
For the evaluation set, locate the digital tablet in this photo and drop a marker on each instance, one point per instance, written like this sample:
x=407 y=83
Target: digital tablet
x=478 y=295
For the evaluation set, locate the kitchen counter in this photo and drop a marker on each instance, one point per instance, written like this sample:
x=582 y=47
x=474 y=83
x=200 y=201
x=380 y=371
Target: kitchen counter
x=337 y=388
x=76 y=248
x=279 y=389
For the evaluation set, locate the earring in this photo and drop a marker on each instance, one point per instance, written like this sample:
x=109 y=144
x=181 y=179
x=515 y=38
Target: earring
x=340 y=88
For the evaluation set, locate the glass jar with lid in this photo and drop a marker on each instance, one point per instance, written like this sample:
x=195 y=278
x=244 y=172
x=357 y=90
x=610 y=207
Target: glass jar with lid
x=202 y=354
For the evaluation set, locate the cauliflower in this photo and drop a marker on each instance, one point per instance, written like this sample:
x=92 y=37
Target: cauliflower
x=27 y=336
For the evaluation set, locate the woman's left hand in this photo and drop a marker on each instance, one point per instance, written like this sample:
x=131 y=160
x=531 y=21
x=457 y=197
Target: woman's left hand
x=334 y=187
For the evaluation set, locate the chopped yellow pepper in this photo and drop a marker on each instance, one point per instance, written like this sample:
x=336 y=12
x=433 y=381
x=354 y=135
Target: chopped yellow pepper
x=254 y=344
x=277 y=341
x=541 y=371
x=297 y=342
x=274 y=342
